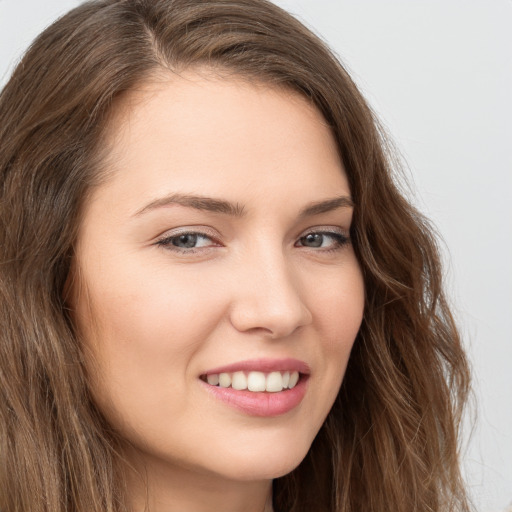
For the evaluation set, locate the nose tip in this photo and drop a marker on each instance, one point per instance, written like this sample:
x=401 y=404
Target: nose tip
x=270 y=302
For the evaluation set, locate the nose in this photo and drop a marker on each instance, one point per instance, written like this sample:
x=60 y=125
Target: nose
x=268 y=297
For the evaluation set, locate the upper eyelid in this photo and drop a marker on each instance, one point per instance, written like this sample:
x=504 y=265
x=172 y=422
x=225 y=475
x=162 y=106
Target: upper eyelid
x=206 y=232
x=326 y=229
x=187 y=231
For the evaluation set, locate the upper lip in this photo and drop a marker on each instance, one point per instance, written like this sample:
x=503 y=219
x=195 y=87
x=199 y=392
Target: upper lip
x=262 y=365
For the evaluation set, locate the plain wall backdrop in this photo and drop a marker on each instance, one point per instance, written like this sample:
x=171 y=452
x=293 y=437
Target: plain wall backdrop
x=439 y=75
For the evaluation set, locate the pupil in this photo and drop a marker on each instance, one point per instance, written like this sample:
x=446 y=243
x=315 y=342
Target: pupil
x=314 y=240
x=186 y=241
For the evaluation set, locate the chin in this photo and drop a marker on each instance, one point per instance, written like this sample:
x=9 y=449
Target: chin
x=266 y=464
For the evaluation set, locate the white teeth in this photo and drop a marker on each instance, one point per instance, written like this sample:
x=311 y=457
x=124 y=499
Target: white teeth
x=272 y=382
x=294 y=378
x=213 y=379
x=256 y=381
x=239 y=381
x=224 y=380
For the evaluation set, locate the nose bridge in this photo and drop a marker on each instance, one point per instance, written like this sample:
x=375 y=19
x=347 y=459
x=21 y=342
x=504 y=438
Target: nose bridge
x=268 y=295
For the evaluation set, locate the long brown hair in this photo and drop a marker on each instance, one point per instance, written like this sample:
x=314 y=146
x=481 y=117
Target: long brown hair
x=391 y=440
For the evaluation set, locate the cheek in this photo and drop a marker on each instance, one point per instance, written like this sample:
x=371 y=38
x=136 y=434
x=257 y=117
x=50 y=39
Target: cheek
x=338 y=308
x=338 y=302
x=152 y=311
x=141 y=334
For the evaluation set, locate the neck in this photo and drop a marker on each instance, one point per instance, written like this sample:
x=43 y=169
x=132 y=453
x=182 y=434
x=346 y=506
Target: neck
x=163 y=488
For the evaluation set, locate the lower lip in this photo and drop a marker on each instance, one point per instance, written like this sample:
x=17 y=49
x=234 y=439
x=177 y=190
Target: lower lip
x=262 y=404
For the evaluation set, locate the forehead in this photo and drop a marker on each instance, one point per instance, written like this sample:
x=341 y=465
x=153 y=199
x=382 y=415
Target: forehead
x=195 y=97
x=216 y=134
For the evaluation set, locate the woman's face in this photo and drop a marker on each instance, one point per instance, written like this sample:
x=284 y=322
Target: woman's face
x=218 y=249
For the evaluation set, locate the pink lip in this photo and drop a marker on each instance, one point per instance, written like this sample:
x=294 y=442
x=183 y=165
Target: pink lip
x=263 y=404
x=263 y=365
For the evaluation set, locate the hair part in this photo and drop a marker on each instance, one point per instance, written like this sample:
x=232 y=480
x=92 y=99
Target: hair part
x=391 y=440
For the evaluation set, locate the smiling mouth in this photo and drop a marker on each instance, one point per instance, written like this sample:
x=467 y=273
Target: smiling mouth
x=257 y=382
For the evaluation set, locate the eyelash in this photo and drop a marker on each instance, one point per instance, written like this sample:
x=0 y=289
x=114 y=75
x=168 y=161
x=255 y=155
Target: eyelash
x=340 y=241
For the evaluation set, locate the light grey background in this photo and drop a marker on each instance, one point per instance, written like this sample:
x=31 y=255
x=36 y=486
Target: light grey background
x=439 y=74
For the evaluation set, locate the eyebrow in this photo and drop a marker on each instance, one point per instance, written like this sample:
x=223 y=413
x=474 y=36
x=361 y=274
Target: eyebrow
x=325 y=206
x=197 y=202
x=213 y=205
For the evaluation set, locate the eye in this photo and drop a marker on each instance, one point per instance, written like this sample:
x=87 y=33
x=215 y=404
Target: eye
x=186 y=242
x=326 y=240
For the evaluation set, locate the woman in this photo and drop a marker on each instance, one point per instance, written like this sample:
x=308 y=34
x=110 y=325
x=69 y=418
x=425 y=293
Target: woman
x=214 y=296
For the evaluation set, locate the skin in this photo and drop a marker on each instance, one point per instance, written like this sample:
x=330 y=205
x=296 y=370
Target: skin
x=153 y=319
